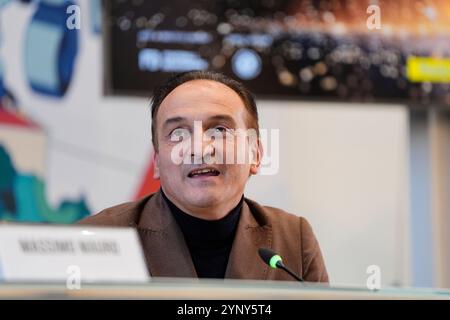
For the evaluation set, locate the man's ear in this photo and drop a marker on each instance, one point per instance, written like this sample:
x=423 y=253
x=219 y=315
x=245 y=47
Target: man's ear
x=155 y=165
x=257 y=156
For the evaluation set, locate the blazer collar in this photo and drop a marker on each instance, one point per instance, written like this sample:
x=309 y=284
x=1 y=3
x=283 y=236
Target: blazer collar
x=167 y=254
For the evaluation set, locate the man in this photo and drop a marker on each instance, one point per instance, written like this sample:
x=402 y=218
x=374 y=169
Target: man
x=199 y=224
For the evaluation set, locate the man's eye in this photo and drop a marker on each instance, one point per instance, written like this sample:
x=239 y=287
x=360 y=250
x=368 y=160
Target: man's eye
x=220 y=129
x=177 y=134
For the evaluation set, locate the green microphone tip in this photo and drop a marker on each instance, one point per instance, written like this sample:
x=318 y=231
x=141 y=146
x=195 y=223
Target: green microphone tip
x=273 y=261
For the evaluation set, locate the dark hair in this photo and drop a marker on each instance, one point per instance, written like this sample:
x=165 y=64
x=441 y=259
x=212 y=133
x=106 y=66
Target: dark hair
x=163 y=91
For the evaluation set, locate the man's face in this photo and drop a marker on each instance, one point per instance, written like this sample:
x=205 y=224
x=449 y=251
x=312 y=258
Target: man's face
x=197 y=111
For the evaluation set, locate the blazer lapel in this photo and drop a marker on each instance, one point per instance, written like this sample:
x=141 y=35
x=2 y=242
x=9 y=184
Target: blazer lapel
x=244 y=261
x=167 y=254
x=163 y=243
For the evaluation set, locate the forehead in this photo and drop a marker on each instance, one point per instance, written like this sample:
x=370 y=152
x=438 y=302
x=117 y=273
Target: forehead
x=200 y=99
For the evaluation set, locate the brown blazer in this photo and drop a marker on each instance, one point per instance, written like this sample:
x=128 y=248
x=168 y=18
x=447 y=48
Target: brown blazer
x=167 y=254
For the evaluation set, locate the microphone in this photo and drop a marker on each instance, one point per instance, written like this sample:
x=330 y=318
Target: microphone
x=274 y=261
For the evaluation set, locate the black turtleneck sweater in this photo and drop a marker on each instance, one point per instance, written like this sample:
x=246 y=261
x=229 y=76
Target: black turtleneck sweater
x=209 y=241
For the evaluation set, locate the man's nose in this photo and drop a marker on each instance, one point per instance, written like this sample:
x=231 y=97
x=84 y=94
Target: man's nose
x=201 y=146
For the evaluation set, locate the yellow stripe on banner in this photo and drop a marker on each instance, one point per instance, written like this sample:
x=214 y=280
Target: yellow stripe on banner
x=427 y=69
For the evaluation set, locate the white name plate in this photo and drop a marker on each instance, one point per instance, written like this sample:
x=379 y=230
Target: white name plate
x=70 y=254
